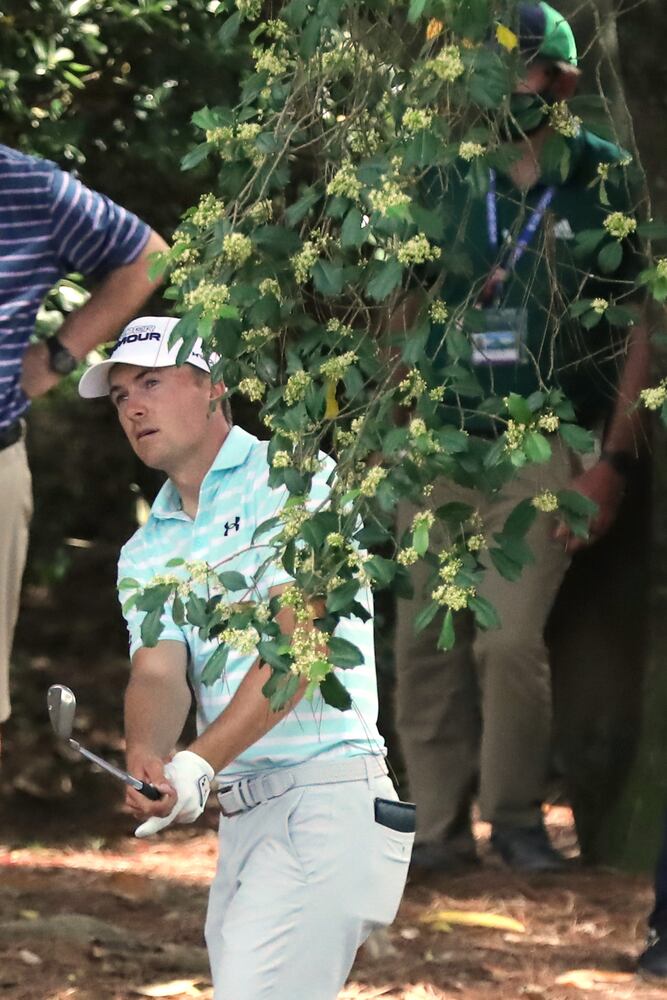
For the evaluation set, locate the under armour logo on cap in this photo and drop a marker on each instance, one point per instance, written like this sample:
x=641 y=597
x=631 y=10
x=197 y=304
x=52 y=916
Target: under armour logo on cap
x=145 y=342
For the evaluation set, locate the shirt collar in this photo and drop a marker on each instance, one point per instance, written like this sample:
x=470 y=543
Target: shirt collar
x=233 y=452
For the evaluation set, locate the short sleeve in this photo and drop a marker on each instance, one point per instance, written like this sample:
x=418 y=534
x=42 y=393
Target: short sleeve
x=130 y=569
x=90 y=233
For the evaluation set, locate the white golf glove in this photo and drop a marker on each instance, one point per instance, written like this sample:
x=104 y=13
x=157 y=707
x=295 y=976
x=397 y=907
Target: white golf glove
x=191 y=776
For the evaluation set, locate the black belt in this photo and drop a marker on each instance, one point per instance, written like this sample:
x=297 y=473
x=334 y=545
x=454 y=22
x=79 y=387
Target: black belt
x=10 y=435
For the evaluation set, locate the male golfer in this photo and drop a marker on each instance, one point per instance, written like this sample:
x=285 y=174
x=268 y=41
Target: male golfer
x=314 y=848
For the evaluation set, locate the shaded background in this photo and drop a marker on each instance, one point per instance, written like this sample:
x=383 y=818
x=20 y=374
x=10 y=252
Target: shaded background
x=149 y=67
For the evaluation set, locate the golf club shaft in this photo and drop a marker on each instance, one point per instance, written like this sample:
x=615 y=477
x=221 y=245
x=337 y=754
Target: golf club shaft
x=150 y=791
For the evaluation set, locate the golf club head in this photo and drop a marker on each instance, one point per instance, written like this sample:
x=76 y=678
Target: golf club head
x=62 y=706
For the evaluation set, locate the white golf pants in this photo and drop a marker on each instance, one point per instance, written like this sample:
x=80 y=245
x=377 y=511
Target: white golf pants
x=302 y=880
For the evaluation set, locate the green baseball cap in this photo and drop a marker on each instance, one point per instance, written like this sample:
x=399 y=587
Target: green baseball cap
x=544 y=32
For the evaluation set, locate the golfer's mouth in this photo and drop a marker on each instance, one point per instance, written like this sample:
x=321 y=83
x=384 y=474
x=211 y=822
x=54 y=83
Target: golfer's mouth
x=146 y=433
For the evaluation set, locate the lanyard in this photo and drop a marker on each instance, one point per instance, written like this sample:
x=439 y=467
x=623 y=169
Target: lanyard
x=509 y=262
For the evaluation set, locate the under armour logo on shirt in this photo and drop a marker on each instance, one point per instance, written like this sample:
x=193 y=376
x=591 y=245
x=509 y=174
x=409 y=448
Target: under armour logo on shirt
x=232 y=525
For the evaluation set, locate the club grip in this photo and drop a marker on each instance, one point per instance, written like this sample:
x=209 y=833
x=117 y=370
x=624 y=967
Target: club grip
x=150 y=791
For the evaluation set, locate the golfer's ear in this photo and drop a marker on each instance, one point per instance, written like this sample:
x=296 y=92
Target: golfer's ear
x=216 y=392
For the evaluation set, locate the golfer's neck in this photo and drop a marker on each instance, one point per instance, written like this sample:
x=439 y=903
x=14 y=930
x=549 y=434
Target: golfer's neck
x=189 y=474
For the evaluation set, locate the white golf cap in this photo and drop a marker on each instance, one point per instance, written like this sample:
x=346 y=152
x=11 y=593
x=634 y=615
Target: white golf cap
x=144 y=342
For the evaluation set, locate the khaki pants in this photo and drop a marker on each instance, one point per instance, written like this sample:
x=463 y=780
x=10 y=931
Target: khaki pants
x=16 y=493
x=479 y=717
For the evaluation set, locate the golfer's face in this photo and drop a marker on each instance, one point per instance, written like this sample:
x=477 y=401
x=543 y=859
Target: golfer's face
x=163 y=411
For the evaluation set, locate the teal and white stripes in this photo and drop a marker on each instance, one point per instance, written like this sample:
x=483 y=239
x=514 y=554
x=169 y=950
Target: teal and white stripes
x=234 y=499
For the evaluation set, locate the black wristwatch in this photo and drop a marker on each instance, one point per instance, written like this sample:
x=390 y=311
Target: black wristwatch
x=623 y=462
x=60 y=360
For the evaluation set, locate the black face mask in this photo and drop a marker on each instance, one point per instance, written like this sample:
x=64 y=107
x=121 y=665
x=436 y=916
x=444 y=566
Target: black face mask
x=526 y=114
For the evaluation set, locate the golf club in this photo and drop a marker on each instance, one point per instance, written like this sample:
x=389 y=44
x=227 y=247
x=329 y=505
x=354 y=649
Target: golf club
x=62 y=706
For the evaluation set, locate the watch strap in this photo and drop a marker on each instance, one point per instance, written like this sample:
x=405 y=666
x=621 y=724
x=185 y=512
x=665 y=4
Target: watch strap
x=60 y=358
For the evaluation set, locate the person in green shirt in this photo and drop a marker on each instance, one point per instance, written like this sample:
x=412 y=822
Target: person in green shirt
x=477 y=720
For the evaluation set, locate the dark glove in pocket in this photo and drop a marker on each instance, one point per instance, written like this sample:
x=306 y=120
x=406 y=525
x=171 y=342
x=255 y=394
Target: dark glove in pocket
x=398 y=816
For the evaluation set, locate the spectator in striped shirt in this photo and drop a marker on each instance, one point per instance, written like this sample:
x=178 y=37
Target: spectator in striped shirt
x=314 y=846
x=50 y=225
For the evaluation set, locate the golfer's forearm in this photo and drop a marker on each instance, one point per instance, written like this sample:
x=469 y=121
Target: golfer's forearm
x=157 y=702
x=247 y=718
x=113 y=303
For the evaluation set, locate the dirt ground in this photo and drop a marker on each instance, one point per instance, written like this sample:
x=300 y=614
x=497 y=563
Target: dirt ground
x=89 y=913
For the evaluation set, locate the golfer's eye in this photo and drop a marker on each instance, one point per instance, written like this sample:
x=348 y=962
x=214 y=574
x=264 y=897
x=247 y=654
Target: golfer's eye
x=150 y=383
x=119 y=398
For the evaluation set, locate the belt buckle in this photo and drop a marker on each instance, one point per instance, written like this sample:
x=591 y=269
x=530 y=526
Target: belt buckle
x=225 y=812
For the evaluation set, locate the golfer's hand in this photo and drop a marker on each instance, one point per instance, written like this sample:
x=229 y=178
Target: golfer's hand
x=36 y=376
x=188 y=783
x=604 y=486
x=148 y=768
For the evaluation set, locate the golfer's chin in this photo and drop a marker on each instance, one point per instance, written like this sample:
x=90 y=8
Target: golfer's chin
x=149 y=451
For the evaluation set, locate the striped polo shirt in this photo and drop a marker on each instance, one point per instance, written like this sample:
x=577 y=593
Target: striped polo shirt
x=234 y=500
x=50 y=225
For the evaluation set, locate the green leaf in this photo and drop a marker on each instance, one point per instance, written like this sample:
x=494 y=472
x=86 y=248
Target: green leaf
x=215 y=666
x=231 y=580
x=296 y=212
x=277 y=239
x=196 y=611
x=229 y=30
x=489 y=81
x=610 y=257
x=425 y=616
x=447 y=637
x=576 y=503
x=264 y=527
x=507 y=567
x=196 y=155
x=328 y=277
x=352 y=234
x=341 y=598
x=343 y=653
x=520 y=520
x=335 y=693
x=381 y=570
x=176 y=561
x=274 y=654
x=129 y=603
x=152 y=627
x=128 y=583
x=154 y=597
x=455 y=513
x=515 y=548
x=518 y=408
x=556 y=157
x=587 y=240
x=536 y=447
x=178 y=611
x=286 y=688
x=415 y=10
x=580 y=306
x=422 y=150
x=386 y=275
x=420 y=539
x=577 y=438
x=485 y=614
